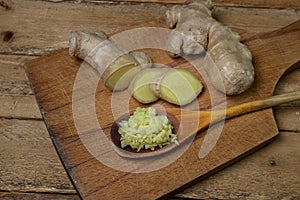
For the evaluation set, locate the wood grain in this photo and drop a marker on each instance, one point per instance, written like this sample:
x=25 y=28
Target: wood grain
x=43 y=33
x=34 y=36
x=229 y=3
x=254 y=177
x=13 y=79
x=290 y=82
x=16 y=97
x=140 y=1
x=258 y=3
x=290 y=113
x=40 y=196
x=53 y=78
x=29 y=162
x=12 y=106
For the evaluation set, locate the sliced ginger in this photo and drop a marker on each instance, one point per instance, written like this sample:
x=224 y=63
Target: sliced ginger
x=119 y=79
x=177 y=86
x=121 y=69
x=141 y=85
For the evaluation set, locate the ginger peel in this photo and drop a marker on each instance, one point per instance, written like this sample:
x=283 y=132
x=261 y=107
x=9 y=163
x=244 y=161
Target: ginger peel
x=191 y=25
x=227 y=61
x=117 y=67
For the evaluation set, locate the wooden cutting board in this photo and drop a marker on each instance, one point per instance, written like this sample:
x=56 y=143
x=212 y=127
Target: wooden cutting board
x=66 y=101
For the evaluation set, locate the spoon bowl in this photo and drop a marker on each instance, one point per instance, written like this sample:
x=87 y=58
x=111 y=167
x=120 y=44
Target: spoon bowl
x=188 y=123
x=116 y=137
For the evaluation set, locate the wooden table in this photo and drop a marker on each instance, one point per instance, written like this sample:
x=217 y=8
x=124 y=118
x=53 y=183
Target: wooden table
x=30 y=167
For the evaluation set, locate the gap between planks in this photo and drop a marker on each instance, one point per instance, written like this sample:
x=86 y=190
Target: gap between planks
x=41 y=196
x=71 y=16
x=225 y=3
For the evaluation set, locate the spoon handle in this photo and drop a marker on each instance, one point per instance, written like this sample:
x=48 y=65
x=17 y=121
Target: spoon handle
x=261 y=104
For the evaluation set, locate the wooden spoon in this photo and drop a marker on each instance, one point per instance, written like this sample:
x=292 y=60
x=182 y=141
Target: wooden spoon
x=192 y=124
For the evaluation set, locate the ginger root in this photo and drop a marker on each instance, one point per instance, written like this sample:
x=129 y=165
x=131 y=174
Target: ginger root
x=227 y=61
x=117 y=68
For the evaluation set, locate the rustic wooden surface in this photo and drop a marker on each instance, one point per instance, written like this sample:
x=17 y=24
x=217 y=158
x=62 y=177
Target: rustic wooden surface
x=29 y=165
x=53 y=78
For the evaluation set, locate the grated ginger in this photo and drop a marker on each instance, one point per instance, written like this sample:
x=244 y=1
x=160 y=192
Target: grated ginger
x=146 y=130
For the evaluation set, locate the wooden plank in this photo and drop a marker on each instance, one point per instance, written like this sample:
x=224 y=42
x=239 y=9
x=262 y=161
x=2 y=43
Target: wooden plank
x=12 y=106
x=29 y=162
x=139 y=1
x=271 y=173
x=255 y=20
x=13 y=79
x=40 y=196
x=258 y=3
x=16 y=96
x=290 y=82
x=227 y=3
x=288 y=116
x=49 y=27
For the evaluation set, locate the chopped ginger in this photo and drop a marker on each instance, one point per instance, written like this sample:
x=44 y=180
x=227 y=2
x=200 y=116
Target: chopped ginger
x=146 y=130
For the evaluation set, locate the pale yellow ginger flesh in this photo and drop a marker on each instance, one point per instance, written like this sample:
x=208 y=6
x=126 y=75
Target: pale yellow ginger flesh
x=176 y=86
x=120 y=79
x=116 y=67
x=146 y=130
x=180 y=87
x=141 y=85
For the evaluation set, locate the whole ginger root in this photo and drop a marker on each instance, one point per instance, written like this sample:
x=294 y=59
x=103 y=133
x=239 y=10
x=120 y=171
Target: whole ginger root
x=228 y=62
x=117 y=68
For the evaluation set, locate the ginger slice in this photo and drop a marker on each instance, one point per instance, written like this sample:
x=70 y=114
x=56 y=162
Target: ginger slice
x=179 y=86
x=120 y=79
x=140 y=87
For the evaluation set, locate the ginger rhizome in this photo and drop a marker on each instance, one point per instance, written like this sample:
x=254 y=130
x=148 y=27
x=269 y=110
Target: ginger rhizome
x=117 y=67
x=227 y=61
